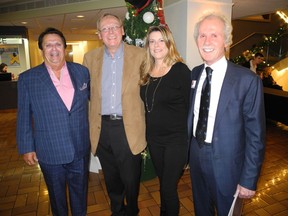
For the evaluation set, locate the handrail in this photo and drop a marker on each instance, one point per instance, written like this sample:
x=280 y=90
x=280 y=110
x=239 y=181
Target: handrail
x=270 y=49
x=245 y=38
x=248 y=36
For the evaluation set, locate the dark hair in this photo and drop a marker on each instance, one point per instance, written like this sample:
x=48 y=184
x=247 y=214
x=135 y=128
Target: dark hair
x=50 y=31
x=258 y=54
x=2 y=66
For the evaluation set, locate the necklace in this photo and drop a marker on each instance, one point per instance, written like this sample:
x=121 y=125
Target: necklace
x=154 y=79
x=153 y=96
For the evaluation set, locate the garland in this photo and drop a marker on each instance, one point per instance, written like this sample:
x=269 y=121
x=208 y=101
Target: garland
x=137 y=22
x=268 y=41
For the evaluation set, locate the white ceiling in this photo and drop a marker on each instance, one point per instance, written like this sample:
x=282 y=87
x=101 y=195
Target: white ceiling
x=64 y=16
x=244 y=8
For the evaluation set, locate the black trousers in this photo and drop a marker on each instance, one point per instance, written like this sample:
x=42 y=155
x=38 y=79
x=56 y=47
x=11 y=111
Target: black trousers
x=169 y=162
x=121 y=168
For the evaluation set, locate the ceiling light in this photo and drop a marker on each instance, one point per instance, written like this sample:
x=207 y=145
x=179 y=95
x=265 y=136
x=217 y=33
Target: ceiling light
x=24 y=23
x=283 y=16
x=80 y=16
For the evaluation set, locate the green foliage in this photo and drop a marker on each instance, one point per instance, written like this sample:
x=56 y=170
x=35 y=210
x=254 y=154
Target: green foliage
x=268 y=41
x=135 y=27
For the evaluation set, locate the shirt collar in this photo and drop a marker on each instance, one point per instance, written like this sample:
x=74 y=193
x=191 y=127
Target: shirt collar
x=219 y=64
x=50 y=70
x=118 y=54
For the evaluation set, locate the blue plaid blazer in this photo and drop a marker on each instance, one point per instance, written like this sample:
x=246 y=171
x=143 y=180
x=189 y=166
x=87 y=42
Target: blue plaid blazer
x=44 y=124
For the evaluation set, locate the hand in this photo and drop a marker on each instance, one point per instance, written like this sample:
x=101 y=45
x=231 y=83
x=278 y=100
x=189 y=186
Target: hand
x=30 y=158
x=245 y=193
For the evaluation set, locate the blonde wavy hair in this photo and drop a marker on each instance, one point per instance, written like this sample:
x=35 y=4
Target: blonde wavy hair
x=172 y=56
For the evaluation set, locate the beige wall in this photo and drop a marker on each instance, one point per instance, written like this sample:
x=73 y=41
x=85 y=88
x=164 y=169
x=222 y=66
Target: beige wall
x=35 y=54
x=79 y=48
x=181 y=16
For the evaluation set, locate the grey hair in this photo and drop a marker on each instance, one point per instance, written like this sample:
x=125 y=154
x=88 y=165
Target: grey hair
x=227 y=27
x=108 y=15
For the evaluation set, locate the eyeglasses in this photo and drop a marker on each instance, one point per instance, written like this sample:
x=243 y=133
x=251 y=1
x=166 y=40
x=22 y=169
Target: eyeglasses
x=111 y=28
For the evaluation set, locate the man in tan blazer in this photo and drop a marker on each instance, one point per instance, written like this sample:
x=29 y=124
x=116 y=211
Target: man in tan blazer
x=117 y=124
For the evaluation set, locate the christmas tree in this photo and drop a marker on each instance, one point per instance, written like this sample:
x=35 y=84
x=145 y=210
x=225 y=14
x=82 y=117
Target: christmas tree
x=140 y=16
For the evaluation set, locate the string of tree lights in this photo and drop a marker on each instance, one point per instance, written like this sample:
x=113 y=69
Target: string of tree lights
x=140 y=16
x=259 y=47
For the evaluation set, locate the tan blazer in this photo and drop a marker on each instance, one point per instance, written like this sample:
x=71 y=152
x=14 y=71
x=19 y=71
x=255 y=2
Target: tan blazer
x=132 y=105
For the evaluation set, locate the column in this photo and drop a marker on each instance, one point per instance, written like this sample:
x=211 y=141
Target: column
x=181 y=16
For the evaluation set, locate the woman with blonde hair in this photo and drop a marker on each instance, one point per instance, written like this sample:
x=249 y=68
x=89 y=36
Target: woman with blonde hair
x=165 y=89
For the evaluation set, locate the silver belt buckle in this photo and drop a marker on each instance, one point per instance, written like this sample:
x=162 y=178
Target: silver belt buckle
x=114 y=117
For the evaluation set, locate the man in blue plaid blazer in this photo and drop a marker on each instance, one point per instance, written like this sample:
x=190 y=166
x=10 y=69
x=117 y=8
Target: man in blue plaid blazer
x=52 y=123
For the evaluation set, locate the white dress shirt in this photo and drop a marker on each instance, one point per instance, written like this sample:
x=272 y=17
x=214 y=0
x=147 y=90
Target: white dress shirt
x=219 y=70
x=253 y=67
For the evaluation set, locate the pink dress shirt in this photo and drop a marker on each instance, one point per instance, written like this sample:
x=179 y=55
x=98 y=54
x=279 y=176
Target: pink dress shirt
x=63 y=85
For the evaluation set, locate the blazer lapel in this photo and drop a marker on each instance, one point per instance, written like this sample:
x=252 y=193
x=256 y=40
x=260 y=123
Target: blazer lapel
x=47 y=82
x=126 y=75
x=73 y=76
x=195 y=76
x=225 y=94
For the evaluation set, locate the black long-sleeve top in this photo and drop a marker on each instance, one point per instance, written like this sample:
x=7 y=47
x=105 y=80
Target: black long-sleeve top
x=166 y=104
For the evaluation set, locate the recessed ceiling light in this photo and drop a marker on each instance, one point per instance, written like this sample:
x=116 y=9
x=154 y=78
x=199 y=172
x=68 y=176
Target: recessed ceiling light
x=24 y=23
x=80 y=16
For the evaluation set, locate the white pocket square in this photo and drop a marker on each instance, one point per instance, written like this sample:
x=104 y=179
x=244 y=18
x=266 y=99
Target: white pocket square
x=193 y=84
x=84 y=86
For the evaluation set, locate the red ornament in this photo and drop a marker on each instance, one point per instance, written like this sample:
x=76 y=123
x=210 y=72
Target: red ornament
x=160 y=13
